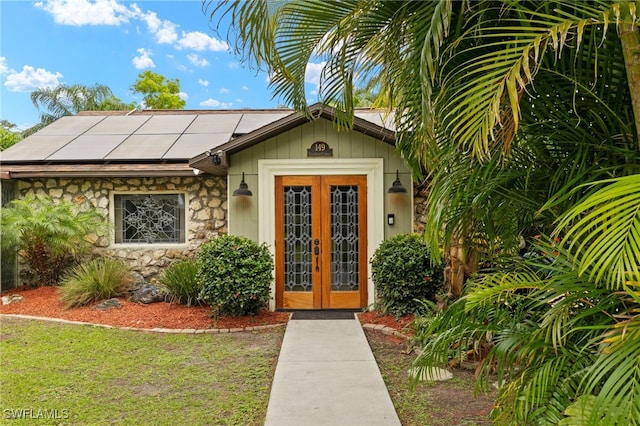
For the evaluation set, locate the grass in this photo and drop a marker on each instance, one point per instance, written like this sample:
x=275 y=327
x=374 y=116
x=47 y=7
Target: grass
x=446 y=403
x=92 y=375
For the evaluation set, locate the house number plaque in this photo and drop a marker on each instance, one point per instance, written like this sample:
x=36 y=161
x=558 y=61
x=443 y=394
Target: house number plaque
x=320 y=149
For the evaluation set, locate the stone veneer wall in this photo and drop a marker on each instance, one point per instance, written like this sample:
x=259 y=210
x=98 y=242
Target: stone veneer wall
x=420 y=195
x=206 y=214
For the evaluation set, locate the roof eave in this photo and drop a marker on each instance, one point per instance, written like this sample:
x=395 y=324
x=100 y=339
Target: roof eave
x=66 y=170
x=203 y=161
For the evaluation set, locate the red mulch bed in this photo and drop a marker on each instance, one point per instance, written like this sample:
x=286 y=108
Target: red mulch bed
x=45 y=302
x=377 y=317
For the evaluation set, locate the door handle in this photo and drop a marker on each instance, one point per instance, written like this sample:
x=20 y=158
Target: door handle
x=316 y=251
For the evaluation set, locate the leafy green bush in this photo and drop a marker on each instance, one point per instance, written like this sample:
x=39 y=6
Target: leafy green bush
x=49 y=234
x=95 y=280
x=181 y=282
x=235 y=275
x=403 y=273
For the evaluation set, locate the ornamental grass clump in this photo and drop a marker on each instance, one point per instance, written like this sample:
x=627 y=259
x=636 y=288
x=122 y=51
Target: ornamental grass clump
x=180 y=281
x=96 y=280
x=235 y=275
x=404 y=275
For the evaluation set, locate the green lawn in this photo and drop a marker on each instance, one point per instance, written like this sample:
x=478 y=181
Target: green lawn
x=91 y=375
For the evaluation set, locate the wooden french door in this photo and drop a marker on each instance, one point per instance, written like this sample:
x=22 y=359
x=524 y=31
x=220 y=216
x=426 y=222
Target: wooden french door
x=321 y=242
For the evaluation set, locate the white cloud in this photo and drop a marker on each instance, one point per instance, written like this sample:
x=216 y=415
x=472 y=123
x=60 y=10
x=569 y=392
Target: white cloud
x=245 y=88
x=144 y=60
x=204 y=83
x=85 y=12
x=234 y=65
x=199 y=41
x=163 y=30
x=183 y=96
x=30 y=79
x=197 y=60
x=224 y=90
x=213 y=103
x=312 y=73
x=3 y=65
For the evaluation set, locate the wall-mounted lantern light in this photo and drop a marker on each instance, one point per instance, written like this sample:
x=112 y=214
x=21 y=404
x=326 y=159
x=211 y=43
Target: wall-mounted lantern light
x=396 y=187
x=243 y=189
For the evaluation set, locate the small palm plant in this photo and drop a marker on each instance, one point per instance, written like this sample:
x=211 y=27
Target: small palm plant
x=48 y=234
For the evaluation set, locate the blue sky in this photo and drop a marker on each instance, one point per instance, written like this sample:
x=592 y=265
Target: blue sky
x=51 y=42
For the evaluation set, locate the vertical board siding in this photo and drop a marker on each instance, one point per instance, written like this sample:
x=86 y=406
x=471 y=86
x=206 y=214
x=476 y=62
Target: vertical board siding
x=293 y=144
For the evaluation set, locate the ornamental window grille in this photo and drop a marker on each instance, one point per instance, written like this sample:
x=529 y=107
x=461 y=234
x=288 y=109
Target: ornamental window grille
x=149 y=218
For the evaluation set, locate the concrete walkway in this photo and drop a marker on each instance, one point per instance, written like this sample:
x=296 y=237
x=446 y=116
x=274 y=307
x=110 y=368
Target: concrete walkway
x=327 y=376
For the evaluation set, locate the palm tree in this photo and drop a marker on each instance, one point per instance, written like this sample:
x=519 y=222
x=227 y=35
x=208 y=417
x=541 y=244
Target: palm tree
x=521 y=114
x=49 y=235
x=64 y=100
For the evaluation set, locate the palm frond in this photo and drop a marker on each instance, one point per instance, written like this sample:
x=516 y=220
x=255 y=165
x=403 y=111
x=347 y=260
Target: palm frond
x=605 y=229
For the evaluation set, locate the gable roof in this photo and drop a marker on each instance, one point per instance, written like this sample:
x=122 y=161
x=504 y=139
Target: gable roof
x=371 y=122
x=158 y=142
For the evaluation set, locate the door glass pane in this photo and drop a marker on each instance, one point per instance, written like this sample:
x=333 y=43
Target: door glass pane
x=344 y=238
x=297 y=238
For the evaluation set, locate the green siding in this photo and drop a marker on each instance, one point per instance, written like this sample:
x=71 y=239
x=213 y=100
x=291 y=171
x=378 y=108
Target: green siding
x=293 y=144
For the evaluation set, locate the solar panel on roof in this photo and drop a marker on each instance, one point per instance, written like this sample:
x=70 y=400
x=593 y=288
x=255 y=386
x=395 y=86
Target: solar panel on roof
x=191 y=145
x=71 y=125
x=214 y=123
x=160 y=124
x=118 y=125
x=251 y=122
x=35 y=148
x=143 y=147
x=88 y=147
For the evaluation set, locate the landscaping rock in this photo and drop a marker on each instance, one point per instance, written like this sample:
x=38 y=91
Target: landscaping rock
x=137 y=279
x=148 y=293
x=109 y=304
x=14 y=298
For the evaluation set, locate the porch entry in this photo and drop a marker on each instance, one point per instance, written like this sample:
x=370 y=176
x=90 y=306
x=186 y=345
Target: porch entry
x=321 y=242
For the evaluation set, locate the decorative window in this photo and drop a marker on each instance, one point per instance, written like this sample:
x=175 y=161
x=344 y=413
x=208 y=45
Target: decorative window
x=149 y=218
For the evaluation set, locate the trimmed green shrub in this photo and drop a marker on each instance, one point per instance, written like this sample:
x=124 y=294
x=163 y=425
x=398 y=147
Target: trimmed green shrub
x=180 y=280
x=403 y=274
x=235 y=274
x=93 y=281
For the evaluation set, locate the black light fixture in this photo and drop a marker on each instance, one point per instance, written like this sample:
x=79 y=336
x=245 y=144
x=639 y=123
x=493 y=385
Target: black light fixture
x=215 y=158
x=243 y=189
x=396 y=187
